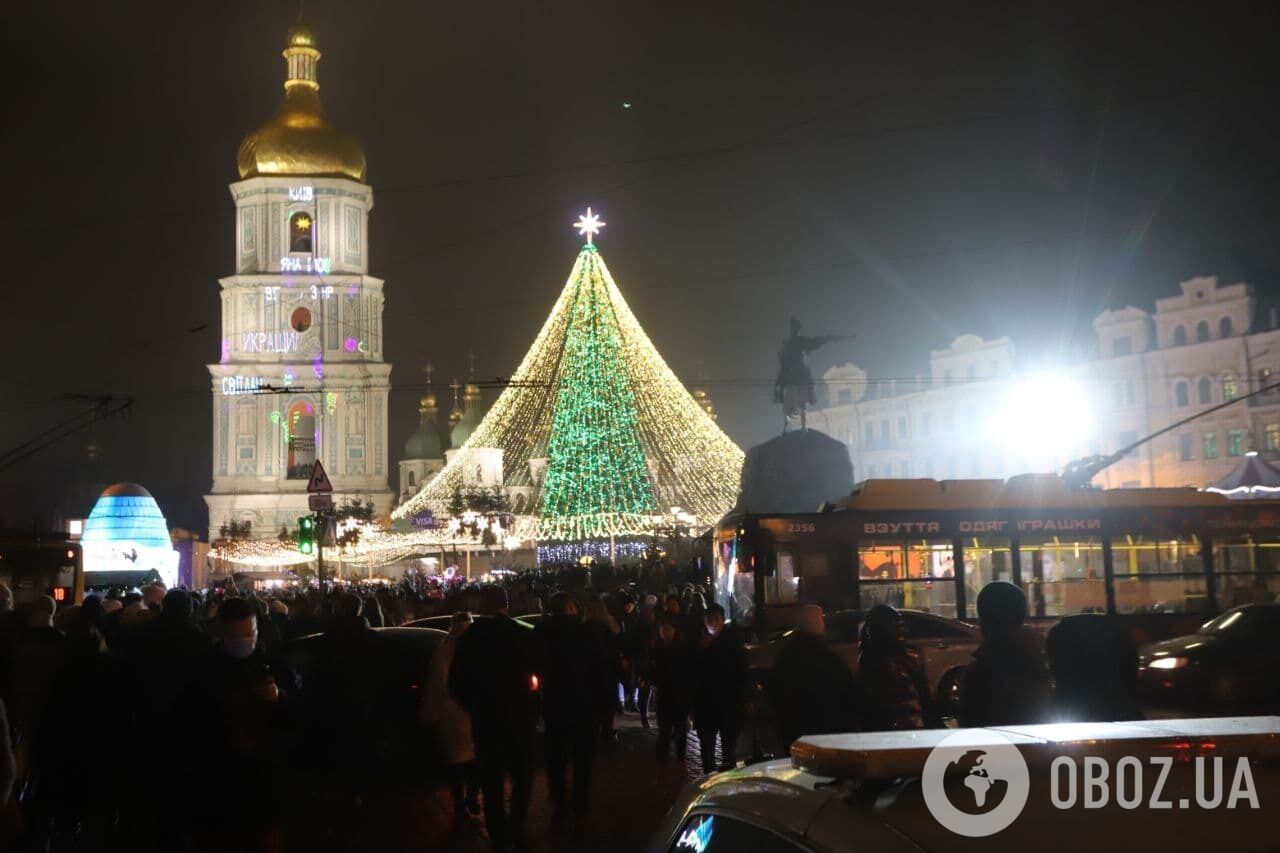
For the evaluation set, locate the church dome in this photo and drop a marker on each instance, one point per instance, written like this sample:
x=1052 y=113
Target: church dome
x=424 y=443
x=471 y=416
x=299 y=140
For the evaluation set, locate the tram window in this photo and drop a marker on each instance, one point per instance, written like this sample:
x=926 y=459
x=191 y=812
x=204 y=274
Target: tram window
x=1158 y=575
x=1063 y=577
x=783 y=586
x=916 y=575
x=1246 y=572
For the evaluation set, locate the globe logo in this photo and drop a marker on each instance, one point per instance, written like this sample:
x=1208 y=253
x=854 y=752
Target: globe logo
x=975 y=782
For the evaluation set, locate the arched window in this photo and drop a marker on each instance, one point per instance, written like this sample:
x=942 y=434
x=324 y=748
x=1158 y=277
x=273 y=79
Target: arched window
x=1182 y=394
x=1205 y=391
x=411 y=482
x=519 y=504
x=1180 y=336
x=302 y=441
x=1230 y=390
x=301 y=225
x=1224 y=327
x=1202 y=331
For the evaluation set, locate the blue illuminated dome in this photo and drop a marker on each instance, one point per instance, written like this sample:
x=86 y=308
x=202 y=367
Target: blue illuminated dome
x=126 y=512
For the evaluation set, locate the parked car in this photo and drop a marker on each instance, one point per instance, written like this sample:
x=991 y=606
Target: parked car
x=864 y=792
x=1231 y=663
x=400 y=657
x=441 y=623
x=945 y=646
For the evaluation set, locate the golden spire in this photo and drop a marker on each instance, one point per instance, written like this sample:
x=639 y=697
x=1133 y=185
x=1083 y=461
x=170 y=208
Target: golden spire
x=299 y=140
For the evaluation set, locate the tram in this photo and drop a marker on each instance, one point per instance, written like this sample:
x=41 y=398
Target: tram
x=931 y=545
x=36 y=564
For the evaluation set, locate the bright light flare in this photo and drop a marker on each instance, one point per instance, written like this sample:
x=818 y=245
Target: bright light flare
x=1043 y=419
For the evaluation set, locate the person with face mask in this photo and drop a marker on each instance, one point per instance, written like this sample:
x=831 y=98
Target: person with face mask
x=720 y=688
x=240 y=700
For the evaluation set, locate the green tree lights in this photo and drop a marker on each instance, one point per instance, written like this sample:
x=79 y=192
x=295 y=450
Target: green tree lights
x=597 y=482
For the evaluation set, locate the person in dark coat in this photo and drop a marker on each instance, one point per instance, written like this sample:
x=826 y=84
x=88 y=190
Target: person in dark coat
x=811 y=688
x=630 y=636
x=673 y=675
x=893 y=692
x=1007 y=682
x=239 y=700
x=645 y=636
x=1095 y=670
x=720 y=688
x=568 y=662
x=493 y=679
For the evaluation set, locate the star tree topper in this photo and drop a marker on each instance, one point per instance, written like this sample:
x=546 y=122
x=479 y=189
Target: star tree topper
x=589 y=225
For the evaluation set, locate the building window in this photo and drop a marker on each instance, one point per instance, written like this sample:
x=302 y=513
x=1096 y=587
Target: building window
x=1224 y=327
x=1127 y=438
x=904 y=469
x=1182 y=394
x=301 y=224
x=902 y=426
x=871 y=471
x=869 y=434
x=971 y=372
x=1235 y=442
x=1273 y=436
x=1180 y=336
x=1206 y=391
x=1130 y=392
x=1210 y=445
x=1229 y=387
x=884 y=430
x=1186 y=448
x=1266 y=377
x=1122 y=346
x=411 y=481
x=1202 y=331
x=844 y=396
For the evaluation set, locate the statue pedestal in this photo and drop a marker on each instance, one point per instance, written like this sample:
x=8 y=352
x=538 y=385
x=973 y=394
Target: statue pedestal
x=795 y=472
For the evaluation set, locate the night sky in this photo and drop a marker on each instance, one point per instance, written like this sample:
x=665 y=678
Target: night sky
x=902 y=172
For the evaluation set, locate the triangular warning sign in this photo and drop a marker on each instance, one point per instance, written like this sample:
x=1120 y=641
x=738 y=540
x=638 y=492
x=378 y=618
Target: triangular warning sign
x=319 y=479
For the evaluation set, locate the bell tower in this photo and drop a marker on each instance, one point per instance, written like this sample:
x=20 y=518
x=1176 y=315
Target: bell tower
x=300 y=375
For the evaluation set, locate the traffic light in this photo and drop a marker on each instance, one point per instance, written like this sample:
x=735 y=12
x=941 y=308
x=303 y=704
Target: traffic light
x=306 y=534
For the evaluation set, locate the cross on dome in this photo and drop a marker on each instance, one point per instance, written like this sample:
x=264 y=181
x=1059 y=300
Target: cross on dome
x=589 y=225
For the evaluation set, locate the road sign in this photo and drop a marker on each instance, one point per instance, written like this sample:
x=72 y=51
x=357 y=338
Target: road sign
x=329 y=536
x=319 y=480
x=320 y=502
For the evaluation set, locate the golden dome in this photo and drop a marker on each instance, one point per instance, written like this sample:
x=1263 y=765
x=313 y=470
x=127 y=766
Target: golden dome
x=427 y=403
x=471 y=392
x=299 y=140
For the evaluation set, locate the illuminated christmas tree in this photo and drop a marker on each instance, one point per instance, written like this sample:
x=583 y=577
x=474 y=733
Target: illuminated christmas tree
x=597 y=437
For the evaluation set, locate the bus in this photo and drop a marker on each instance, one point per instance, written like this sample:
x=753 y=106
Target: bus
x=33 y=564
x=931 y=545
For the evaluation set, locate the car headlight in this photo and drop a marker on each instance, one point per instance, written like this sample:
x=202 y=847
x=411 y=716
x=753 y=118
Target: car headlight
x=1167 y=663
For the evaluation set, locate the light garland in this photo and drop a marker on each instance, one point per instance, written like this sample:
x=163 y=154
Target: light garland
x=376 y=547
x=591 y=390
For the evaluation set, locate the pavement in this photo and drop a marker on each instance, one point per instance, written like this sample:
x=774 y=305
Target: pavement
x=630 y=794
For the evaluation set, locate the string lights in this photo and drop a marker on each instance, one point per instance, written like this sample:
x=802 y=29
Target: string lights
x=621 y=437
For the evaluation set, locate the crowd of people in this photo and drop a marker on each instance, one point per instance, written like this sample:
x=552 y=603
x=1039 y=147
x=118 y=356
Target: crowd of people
x=136 y=667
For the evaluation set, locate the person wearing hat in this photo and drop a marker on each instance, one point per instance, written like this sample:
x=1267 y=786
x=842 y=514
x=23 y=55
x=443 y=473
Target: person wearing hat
x=1008 y=681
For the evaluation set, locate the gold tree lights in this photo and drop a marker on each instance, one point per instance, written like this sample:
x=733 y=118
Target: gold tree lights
x=623 y=440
